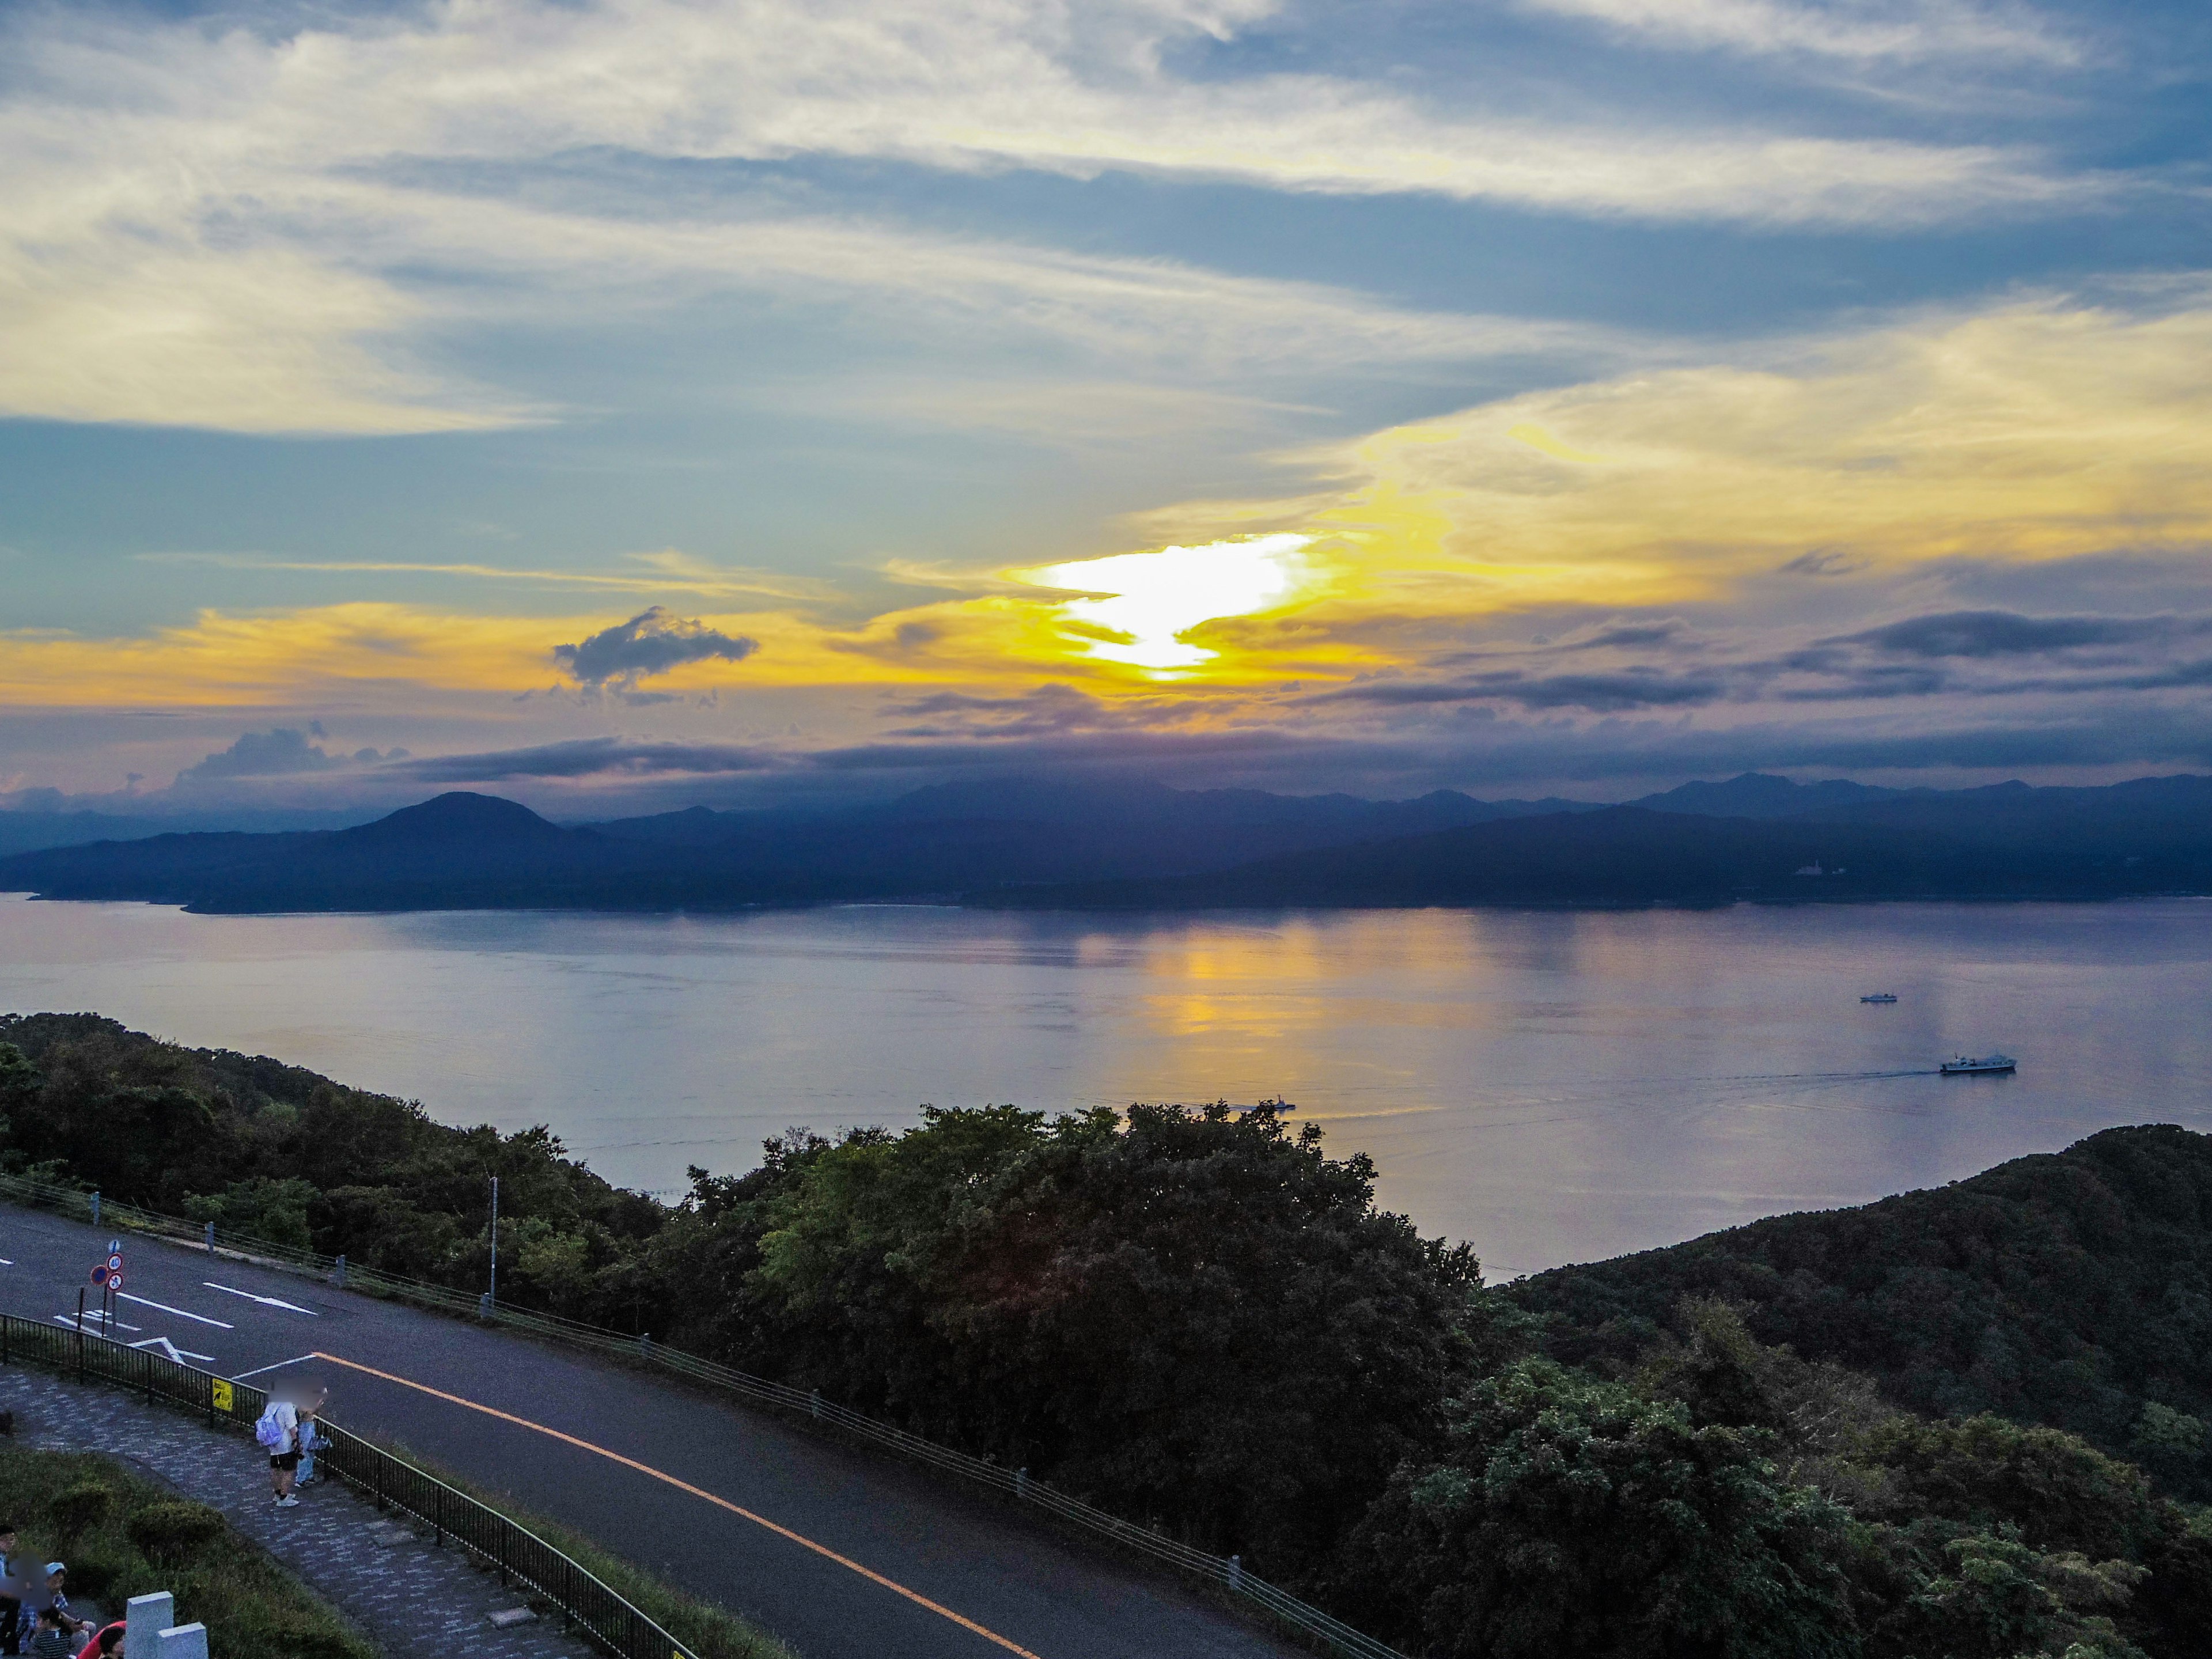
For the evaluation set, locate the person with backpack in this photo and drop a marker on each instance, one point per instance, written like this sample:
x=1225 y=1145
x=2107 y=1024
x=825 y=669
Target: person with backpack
x=277 y=1430
x=107 y=1643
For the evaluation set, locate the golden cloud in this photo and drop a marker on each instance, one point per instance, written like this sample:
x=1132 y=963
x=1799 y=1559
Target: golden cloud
x=2038 y=430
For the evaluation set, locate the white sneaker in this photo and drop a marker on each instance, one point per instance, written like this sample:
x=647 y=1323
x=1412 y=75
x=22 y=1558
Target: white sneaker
x=288 y=1503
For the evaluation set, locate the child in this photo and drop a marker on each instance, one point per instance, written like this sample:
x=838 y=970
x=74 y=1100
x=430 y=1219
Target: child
x=105 y=1645
x=52 y=1640
x=311 y=1441
x=56 y=1602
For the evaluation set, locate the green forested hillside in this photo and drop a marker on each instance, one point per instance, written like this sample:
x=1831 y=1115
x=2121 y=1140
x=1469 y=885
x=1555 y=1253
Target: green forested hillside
x=2073 y=1288
x=1962 y=1423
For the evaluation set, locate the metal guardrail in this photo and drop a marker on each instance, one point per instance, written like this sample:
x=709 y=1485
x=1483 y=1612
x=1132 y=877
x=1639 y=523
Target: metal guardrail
x=520 y=1556
x=1226 y=1571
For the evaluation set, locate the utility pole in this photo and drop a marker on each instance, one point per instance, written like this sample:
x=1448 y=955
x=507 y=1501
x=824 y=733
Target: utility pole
x=491 y=1296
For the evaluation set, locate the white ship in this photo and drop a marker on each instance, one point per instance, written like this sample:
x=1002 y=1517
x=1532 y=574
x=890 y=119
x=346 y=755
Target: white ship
x=1967 y=1065
x=1878 y=996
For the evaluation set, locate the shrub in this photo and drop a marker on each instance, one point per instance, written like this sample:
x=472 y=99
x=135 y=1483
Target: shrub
x=173 y=1533
x=77 y=1509
x=93 y=1572
x=1577 y=1516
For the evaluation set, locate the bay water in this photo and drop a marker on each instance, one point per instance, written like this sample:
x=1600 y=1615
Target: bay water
x=1550 y=1087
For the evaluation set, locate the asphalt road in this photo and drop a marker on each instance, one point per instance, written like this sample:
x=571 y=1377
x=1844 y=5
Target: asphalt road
x=998 y=1587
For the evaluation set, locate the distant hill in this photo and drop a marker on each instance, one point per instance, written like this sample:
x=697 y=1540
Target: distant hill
x=1763 y=795
x=2134 y=839
x=471 y=851
x=25 y=830
x=1144 y=845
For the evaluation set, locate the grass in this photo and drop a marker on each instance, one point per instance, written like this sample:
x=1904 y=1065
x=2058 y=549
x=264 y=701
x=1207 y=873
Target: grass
x=122 y=1535
x=709 y=1631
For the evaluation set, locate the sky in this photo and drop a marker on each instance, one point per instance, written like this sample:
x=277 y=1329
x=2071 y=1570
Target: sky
x=620 y=403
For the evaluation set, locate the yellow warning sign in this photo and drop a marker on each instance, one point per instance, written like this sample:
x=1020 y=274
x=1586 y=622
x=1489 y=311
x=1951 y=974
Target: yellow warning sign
x=225 y=1395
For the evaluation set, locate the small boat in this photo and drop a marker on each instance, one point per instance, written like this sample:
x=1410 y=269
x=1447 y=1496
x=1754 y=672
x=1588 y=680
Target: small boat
x=1878 y=996
x=1967 y=1066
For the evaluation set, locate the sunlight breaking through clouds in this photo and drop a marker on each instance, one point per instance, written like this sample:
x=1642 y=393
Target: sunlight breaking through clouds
x=1144 y=603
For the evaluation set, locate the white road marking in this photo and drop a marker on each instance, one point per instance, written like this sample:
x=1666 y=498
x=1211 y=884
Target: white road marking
x=171 y=1349
x=92 y=1322
x=278 y=1366
x=105 y=1320
x=265 y=1301
x=4 y=1263
x=179 y=1312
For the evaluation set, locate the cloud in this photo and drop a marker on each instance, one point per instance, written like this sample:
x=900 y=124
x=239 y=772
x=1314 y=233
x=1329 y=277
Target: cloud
x=1899 y=31
x=651 y=642
x=1823 y=561
x=2004 y=633
x=2044 y=428
x=1044 y=710
x=281 y=227
x=281 y=752
x=1665 y=632
x=592 y=758
x=1601 y=693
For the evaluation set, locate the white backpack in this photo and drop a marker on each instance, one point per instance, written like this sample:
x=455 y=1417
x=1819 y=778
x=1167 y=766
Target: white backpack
x=269 y=1430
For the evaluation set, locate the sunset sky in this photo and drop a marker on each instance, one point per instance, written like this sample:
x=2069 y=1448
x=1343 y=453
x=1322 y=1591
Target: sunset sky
x=616 y=404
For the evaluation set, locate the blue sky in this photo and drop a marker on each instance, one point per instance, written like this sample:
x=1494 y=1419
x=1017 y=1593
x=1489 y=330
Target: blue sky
x=1619 y=371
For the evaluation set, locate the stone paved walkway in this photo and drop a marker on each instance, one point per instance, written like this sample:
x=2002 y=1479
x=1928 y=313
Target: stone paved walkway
x=414 y=1600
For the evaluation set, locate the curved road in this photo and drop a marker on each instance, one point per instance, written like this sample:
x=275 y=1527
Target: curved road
x=844 y=1556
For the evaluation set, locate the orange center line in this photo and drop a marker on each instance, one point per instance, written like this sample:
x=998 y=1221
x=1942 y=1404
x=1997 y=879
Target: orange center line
x=846 y=1561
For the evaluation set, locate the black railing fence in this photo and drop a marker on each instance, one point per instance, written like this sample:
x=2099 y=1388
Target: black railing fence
x=520 y=1556
x=1226 y=1571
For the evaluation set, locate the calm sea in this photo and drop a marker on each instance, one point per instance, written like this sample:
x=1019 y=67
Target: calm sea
x=1552 y=1087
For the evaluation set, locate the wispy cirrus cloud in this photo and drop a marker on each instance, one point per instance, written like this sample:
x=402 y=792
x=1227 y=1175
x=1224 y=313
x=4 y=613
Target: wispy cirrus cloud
x=1854 y=31
x=281 y=227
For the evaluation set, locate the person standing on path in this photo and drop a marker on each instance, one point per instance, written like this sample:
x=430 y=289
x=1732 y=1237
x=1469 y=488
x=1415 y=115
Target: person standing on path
x=278 y=1431
x=312 y=1439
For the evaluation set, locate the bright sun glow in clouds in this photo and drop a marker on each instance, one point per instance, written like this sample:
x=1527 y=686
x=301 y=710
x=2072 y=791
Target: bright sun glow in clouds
x=1148 y=601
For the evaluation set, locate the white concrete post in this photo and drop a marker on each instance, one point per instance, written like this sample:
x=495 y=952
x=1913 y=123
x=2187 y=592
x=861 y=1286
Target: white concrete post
x=144 y=1618
x=185 y=1642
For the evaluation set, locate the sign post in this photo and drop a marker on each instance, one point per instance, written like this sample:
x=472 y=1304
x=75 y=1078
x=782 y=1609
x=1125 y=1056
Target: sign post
x=491 y=1295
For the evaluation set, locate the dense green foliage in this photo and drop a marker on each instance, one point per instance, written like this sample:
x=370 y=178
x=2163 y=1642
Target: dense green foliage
x=124 y=1536
x=1959 y=1425
x=1195 y=1316
x=2073 y=1290
x=1573 y=1516
x=284 y=1154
